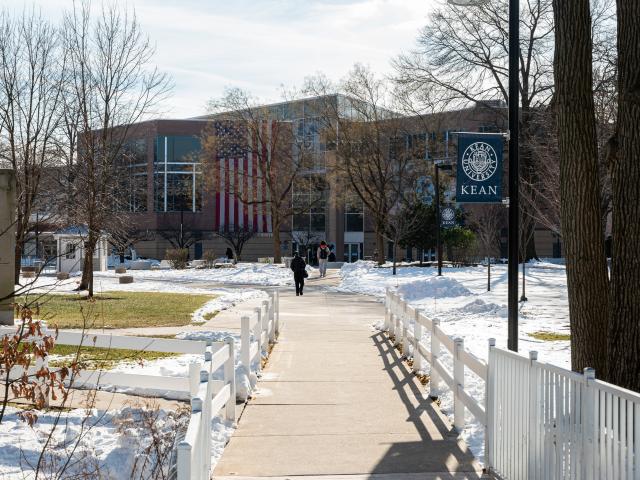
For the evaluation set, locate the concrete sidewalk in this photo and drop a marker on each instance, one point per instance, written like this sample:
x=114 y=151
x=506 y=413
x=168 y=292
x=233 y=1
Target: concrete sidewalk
x=336 y=400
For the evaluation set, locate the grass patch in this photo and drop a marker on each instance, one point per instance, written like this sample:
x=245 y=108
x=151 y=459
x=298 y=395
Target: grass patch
x=94 y=358
x=550 y=336
x=209 y=316
x=121 y=309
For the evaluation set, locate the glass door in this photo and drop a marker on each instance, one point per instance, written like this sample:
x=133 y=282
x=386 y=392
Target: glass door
x=352 y=252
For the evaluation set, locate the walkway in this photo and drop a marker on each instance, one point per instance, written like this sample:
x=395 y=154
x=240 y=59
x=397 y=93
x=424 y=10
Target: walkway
x=336 y=400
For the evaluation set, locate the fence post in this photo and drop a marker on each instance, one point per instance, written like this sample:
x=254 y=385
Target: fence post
x=458 y=381
x=387 y=309
x=194 y=378
x=532 y=413
x=184 y=461
x=245 y=344
x=277 y=300
x=265 y=319
x=272 y=322
x=417 y=336
x=434 y=379
x=399 y=321
x=258 y=312
x=196 y=460
x=489 y=406
x=405 y=330
x=590 y=413
x=230 y=378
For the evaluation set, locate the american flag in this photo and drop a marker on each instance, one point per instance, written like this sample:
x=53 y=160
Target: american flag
x=241 y=176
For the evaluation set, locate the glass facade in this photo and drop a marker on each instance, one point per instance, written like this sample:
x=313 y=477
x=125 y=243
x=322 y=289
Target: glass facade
x=353 y=215
x=133 y=184
x=177 y=174
x=311 y=207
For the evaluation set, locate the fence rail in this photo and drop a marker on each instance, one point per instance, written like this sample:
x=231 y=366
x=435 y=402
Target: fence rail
x=541 y=422
x=208 y=395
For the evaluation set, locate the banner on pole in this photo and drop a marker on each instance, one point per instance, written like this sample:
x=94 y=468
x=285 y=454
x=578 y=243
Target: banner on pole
x=448 y=217
x=479 y=172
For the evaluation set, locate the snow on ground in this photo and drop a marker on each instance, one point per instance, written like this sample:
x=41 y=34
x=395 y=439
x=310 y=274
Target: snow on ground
x=111 y=443
x=241 y=274
x=103 y=444
x=460 y=300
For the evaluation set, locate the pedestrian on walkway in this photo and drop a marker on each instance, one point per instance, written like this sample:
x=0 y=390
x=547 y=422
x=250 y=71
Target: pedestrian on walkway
x=323 y=255
x=298 y=265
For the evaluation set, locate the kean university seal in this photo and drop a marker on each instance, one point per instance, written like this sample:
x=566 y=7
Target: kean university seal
x=479 y=171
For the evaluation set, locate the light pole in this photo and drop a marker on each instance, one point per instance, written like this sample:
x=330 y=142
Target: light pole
x=514 y=162
x=439 y=164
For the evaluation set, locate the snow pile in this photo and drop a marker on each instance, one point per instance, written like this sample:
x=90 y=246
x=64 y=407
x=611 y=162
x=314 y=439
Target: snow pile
x=367 y=278
x=436 y=287
x=110 y=444
x=227 y=299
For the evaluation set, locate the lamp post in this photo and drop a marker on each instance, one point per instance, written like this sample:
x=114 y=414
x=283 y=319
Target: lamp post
x=439 y=164
x=514 y=163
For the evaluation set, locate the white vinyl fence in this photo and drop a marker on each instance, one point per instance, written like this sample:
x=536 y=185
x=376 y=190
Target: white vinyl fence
x=208 y=396
x=541 y=422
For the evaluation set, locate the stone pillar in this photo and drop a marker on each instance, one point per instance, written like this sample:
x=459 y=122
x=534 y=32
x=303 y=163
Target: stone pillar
x=7 y=243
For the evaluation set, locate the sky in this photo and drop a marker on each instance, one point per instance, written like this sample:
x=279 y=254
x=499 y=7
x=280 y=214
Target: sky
x=263 y=45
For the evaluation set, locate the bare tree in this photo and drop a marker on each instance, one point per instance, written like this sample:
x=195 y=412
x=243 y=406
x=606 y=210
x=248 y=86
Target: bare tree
x=236 y=237
x=281 y=159
x=30 y=98
x=462 y=57
x=113 y=86
x=624 y=331
x=587 y=277
x=371 y=155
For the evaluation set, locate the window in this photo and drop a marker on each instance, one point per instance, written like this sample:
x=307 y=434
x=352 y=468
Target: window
x=310 y=206
x=132 y=184
x=177 y=178
x=70 y=251
x=353 y=215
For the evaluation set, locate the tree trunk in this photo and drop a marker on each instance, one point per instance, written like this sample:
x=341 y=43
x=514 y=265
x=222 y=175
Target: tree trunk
x=277 y=257
x=580 y=186
x=86 y=283
x=380 y=247
x=18 y=262
x=624 y=328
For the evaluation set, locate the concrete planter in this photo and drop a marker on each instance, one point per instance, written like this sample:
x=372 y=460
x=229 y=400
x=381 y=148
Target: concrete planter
x=125 y=279
x=62 y=276
x=140 y=265
x=121 y=270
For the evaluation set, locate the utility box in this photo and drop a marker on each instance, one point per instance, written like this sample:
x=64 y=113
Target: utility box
x=7 y=243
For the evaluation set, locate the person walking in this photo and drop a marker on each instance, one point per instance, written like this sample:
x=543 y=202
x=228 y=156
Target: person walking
x=323 y=255
x=298 y=265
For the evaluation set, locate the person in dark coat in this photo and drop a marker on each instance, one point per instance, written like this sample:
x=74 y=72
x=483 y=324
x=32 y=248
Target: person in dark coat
x=298 y=265
x=229 y=254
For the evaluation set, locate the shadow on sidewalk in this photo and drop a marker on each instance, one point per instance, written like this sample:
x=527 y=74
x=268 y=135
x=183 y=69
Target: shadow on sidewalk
x=440 y=451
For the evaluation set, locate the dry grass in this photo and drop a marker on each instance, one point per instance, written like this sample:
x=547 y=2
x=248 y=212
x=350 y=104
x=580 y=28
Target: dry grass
x=120 y=309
